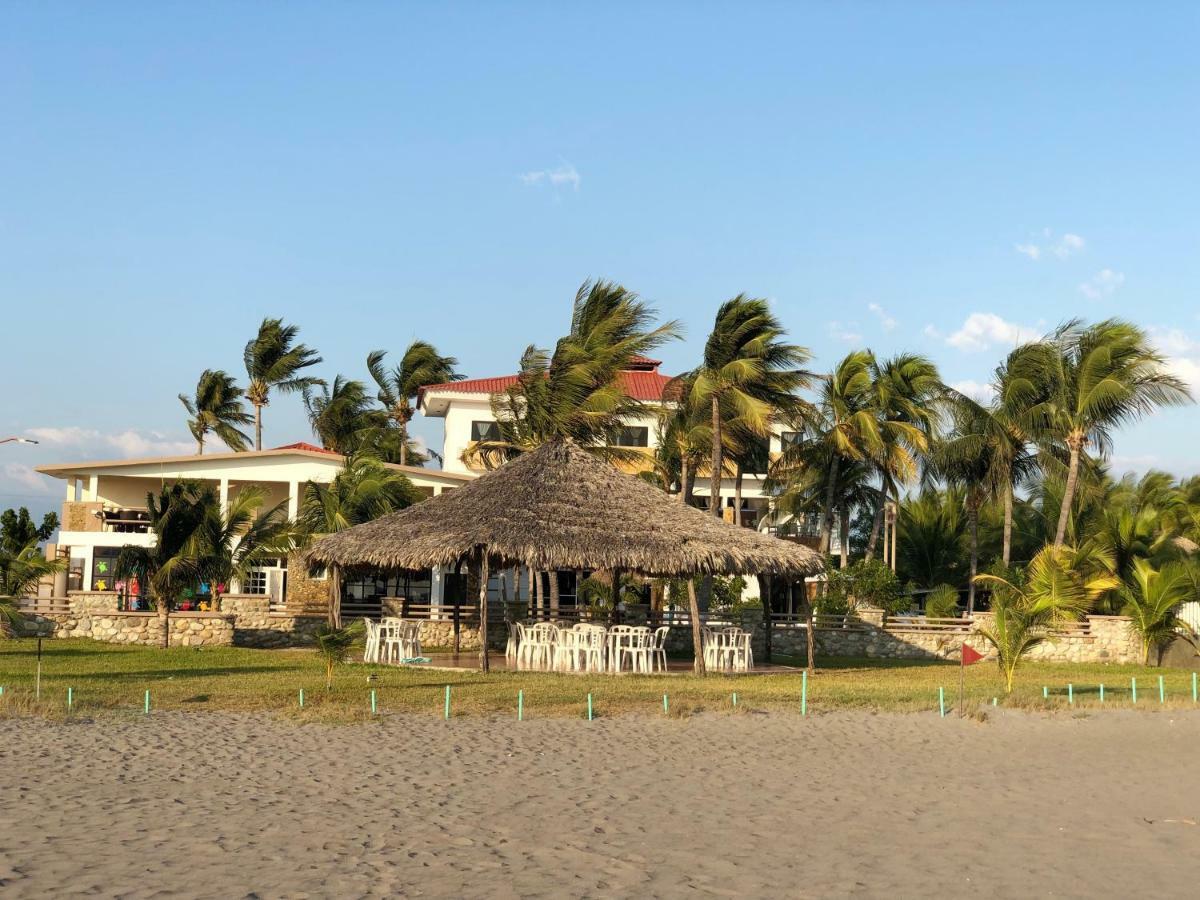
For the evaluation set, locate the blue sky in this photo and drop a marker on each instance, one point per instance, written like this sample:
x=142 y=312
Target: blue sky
x=941 y=178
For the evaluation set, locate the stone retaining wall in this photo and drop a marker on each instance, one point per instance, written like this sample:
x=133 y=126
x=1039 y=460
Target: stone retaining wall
x=254 y=625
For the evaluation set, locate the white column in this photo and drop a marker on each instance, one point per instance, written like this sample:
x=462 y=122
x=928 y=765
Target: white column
x=293 y=499
x=93 y=488
x=72 y=487
x=224 y=492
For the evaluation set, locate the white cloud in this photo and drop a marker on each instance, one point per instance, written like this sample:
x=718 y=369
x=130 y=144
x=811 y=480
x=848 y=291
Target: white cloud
x=886 y=321
x=565 y=175
x=26 y=477
x=1061 y=247
x=1102 y=284
x=843 y=333
x=982 y=330
x=1182 y=352
x=976 y=390
x=932 y=332
x=127 y=443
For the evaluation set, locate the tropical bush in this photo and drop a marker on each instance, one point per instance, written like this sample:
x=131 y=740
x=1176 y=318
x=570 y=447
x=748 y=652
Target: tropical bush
x=942 y=602
x=1152 y=601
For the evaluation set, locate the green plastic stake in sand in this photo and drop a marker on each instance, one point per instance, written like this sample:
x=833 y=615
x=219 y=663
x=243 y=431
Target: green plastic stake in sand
x=1045 y=692
x=146 y=704
x=1 y=690
x=804 y=693
x=1162 y=691
x=374 y=708
x=589 y=707
x=446 y=713
x=520 y=706
x=1133 y=688
x=70 y=697
x=942 y=701
x=302 y=698
x=993 y=701
x=666 y=706
x=1101 y=692
x=1071 y=694
x=735 y=699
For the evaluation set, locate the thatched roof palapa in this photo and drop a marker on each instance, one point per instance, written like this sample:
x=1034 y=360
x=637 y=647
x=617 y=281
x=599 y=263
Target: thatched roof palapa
x=559 y=507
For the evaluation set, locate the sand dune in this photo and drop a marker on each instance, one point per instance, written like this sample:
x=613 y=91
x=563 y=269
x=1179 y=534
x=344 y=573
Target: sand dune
x=845 y=804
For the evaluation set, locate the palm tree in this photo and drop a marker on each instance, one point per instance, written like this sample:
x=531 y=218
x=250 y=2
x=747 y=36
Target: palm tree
x=242 y=536
x=176 y=560
x=908 y=390
x=931 y=534
x=578 y=391
x=420 y=366
x=749 y=377
x=1152 y=600
x=275 y=361
x=1060 y=585
x=1100 y=377
x=342 y=415
x=362 y=491
x=217 y=408
x=333 y=646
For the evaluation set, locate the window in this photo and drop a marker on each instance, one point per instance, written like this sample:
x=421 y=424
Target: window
x=632 y=436
x=104 y=564
x=485 y=431
x=257 y=580
x=789 y=439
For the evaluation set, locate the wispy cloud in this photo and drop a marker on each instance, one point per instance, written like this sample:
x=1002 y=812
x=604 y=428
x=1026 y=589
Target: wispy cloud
x=1049 y=244
x=26 y=477
x=1103 y=284
x=563 y=176
x=127 y=443
x=885 y=320
x=981 y=331
x=976 y=390
x=845 y=333
x=1182 y=353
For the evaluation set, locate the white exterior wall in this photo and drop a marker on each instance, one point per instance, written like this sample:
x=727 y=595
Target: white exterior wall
x=459 y=416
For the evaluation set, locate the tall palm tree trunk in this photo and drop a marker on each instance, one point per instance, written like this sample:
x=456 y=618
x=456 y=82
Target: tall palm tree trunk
x=257 y=426
x=810 y=639
x=403 y=443
x=973 y=518
x=335 y=597
x=1064 y=514
x=535 y=583
x=844 y=537
x=717 y=461
x=554 y=592
x=200 y=444
x=689 y=485
x=484 y=661
x=685 y=473
x=1006 y=552
x=827 y=515
x=876 y=528
x=697 y=631
x=737 y=494
x=765 y=584
x=163 y=608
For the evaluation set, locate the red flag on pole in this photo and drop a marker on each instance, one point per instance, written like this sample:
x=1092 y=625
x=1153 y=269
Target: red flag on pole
x=970 y=655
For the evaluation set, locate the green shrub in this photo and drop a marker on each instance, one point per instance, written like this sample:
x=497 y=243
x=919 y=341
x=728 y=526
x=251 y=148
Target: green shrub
x=942 y=602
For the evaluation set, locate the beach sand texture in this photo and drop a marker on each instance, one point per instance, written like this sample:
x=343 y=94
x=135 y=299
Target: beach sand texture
x=843 y=804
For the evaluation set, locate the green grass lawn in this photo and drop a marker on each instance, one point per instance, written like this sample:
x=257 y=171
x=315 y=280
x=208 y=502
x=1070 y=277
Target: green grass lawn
x=109 y=677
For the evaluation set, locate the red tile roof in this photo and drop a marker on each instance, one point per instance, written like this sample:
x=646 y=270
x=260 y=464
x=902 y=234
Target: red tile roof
x=639 y=384
x=304 y=445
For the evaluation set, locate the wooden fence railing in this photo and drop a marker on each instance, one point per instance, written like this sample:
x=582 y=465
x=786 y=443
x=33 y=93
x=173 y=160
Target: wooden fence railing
x=44 y=606
x=952 y=625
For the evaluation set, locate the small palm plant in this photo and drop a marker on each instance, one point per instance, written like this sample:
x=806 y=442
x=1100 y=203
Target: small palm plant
x=1152 y=600
x=333 y=645
x=1060 y=585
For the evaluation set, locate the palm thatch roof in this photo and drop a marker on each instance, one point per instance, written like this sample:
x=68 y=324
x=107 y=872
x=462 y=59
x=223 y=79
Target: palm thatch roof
x=559 y=507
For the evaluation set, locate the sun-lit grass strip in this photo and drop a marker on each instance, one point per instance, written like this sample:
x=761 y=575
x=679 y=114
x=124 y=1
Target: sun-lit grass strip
x=109 y=677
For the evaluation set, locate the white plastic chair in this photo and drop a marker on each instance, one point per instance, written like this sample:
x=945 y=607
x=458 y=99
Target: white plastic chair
x=537 y=649
x=391 y=640
x=371 y=651
x=657 y=652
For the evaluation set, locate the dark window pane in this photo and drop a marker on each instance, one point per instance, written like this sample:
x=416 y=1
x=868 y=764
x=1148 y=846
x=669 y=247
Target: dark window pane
x=485 y=431
x=633 y=436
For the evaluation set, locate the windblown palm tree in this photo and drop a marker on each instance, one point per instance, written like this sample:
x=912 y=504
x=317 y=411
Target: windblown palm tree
x=342 y=415
x=176 y=560
x=420 y=366
x=217 y=408
x=748 y=378
x=1102 y=376
x=578 y=391
x=243 y=536
x=275 y=361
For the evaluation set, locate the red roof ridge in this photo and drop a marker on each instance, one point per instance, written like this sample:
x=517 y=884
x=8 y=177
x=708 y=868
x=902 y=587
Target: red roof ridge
x=306 y=446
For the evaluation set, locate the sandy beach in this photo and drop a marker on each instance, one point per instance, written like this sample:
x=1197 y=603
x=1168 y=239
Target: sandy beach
x=844 y=804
